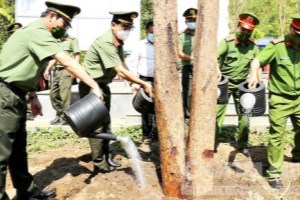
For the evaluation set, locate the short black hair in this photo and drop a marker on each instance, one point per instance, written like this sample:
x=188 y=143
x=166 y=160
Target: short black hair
x=149 y=24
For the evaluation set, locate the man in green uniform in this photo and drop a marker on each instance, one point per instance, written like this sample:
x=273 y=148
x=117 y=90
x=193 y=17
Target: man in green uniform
x=234 y=56
x=60 y=92
x=283 y=55
x=22 y=62
x=185 y=53
x=103 y=61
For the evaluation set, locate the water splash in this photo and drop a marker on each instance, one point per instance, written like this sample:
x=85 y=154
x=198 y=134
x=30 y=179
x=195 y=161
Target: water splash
x=134 y=155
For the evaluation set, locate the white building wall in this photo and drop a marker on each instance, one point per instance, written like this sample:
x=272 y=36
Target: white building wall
x=94 y=18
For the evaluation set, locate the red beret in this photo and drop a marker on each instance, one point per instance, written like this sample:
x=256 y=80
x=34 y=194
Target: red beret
x=248 y=21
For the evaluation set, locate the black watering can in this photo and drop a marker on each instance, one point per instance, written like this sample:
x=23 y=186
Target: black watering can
x=252 y=101
x=85 y=116
x=223 y=90
x=143 y=103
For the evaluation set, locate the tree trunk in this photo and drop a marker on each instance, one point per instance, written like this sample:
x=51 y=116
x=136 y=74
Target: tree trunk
x=167 y=96
x=204 y=97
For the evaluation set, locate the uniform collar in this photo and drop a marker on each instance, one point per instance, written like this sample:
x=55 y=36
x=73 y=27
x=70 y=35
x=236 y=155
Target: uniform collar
x=237 y=42
x=188 y=31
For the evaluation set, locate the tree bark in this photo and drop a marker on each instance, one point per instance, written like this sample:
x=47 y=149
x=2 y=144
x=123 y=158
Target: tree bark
x=204 y=97
x=167 y=97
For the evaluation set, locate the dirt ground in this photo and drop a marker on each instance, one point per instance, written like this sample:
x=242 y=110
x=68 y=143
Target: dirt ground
x=236 y=176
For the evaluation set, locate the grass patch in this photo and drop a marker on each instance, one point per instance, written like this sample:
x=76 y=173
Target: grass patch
x=135 y=132
x=48 y=138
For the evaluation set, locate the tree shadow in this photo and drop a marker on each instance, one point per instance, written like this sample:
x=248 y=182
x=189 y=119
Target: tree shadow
x=60 y=167
x=258 y=157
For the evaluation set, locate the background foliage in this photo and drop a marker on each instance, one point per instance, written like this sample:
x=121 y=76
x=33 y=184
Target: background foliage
x=274 y=15
x=7 y=9
x=147 y=14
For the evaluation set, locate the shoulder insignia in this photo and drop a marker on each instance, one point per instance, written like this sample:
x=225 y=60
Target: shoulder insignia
x=181 y=32
x=229 y=39
x=278 y=40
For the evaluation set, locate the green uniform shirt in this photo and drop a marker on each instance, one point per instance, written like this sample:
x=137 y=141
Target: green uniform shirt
x=235 y=58
x=103 y=55
x=26 y=55
x=70 y=46
x=186 y=44
x=284 y=62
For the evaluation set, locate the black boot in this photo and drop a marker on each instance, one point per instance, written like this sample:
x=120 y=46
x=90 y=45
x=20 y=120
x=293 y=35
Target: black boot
x=105 y=149
x=35 y=195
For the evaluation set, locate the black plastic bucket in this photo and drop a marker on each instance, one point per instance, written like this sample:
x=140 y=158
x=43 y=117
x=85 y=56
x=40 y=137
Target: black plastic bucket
x=143 y=103
x=252 y=101
x=223 y=90
x=86 y=115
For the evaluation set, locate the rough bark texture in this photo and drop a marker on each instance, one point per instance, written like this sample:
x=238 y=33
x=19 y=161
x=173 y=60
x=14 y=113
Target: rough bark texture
x=203 y=109
x=168 y=103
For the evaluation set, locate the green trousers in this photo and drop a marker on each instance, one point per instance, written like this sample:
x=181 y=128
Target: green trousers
x=60 y=93
x=243 y=121
x=186 y=83
x=13 y=155
x=97 y=145
x=280 y=109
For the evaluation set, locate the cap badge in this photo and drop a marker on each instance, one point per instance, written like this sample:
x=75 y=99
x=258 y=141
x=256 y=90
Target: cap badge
x=250 y=18
x=133 y=16
x=193 y=12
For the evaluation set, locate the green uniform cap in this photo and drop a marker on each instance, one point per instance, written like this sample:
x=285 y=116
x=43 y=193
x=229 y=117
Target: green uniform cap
x=125 y=18
x=13 y=27
x=67 y=12
x=191 y=12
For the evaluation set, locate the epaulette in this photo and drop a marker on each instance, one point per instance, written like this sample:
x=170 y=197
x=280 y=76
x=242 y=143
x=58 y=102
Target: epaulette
x=70 y=37
x=229 y=39
x=278 y=40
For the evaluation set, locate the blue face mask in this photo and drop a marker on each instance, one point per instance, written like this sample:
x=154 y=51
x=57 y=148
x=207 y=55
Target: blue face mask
x=191 y=25
x=150 y=37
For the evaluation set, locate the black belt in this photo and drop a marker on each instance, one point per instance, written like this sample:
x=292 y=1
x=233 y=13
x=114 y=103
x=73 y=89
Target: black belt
x=102 y=85
x=145 y=78
x=13 y=88
x=59 y=68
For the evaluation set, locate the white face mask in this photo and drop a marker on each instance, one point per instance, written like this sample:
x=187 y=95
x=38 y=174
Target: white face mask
x=191 y=25
x=150 y=37
x=123 y=34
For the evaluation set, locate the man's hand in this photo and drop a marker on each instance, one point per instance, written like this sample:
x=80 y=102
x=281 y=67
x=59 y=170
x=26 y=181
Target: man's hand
x=36 y=107
x=148 y=89
x=98 y=92
x=252 y=81
x=135 y=87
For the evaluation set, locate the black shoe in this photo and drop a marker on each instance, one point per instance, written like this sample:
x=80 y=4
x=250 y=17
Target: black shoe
x=244 y=151
x=113 y=163
x=35 y=196
x=294 y=160
x=275 y=183
x=55 y=121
